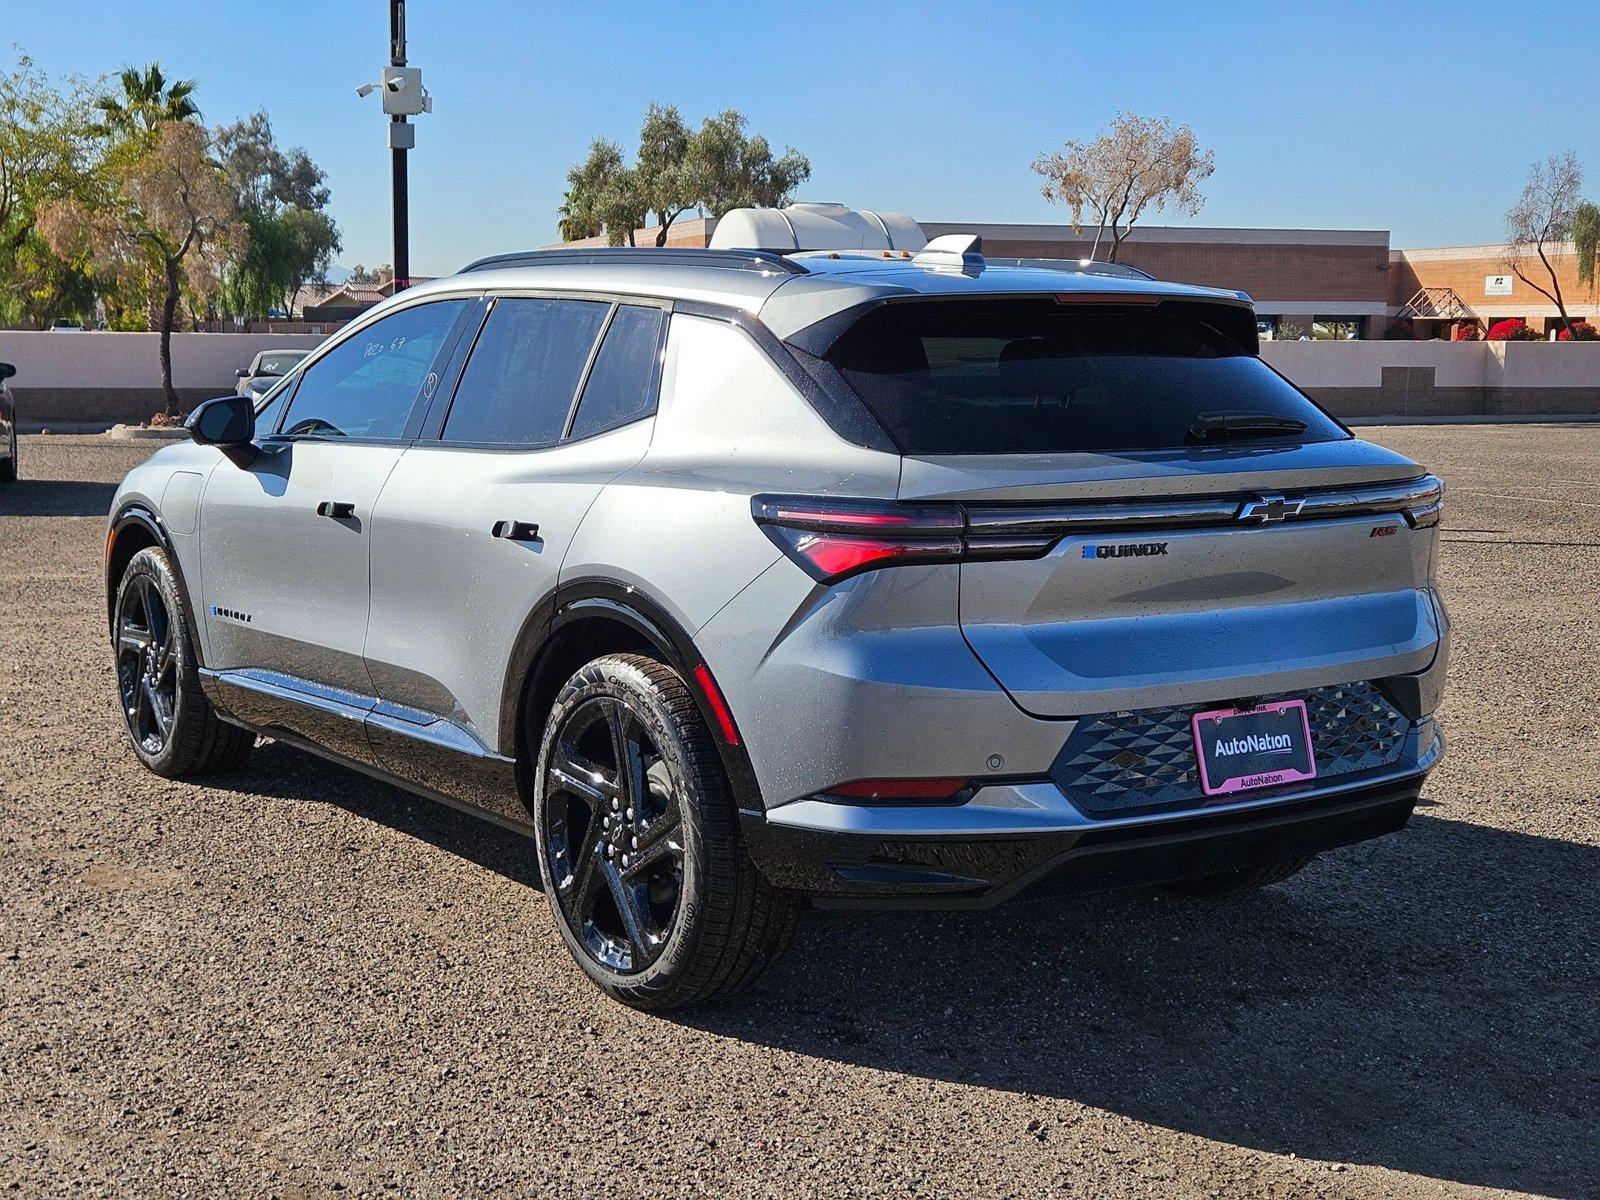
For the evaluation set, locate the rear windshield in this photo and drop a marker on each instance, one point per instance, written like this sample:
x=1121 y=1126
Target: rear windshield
x=1034 y=376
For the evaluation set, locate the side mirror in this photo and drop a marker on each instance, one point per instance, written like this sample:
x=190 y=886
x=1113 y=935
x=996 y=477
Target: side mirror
x=6 y=371
x=228 y=422
x=242 y=373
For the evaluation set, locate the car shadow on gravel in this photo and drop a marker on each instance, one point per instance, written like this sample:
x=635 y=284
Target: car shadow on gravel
x=1426 y=1003
x=284 y=772
x=56 y=498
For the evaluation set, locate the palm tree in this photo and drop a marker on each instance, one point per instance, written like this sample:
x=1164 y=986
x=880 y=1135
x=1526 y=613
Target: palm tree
x=146 y=100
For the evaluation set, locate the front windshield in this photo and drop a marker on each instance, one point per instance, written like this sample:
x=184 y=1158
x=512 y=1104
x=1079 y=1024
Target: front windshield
x=279 y=363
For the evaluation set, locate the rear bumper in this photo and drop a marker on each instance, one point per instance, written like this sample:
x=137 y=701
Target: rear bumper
x=1028 y=837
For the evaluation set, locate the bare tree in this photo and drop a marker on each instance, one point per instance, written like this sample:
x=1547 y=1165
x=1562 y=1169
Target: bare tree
x=1139 y=163
x=1540 y=224
x=170 y=212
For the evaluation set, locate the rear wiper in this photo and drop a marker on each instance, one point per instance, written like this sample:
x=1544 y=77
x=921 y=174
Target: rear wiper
x=1222 y=425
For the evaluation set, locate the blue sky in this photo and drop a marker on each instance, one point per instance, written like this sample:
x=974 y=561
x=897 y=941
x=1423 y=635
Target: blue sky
x=1418 y=118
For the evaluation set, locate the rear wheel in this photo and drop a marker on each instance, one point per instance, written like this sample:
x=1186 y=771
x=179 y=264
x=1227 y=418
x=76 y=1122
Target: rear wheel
x=1235 y=883
x=174 y=729
x=638 y=842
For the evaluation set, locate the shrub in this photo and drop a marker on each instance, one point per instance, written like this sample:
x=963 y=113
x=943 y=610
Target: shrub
x=1582 y=331
x=1509 y=330
x=1465 y=331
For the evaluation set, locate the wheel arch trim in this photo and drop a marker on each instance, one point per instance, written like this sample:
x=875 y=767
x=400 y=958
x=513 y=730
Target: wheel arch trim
x=600 y=597
x=139 y=513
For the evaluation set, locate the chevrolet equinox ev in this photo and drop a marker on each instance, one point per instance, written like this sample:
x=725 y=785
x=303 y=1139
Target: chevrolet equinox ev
x=743 y=581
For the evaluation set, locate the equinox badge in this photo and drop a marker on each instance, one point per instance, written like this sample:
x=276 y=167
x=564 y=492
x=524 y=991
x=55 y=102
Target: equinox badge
x=1128 y=550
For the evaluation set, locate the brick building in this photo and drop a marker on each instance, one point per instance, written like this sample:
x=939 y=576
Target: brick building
x=1318 y=283
x=1440 y=288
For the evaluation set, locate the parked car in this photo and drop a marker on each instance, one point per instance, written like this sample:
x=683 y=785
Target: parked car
x=64 y=325
x=8 y=425
x=743 y=581
x=265 y=370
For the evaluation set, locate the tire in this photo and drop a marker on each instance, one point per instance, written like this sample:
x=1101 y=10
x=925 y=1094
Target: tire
x=702 y=922
x=1237 y=883
x=173 y=728
x=8 y=468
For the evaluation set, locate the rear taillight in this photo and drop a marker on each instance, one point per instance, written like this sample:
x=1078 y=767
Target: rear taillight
x=834 y=539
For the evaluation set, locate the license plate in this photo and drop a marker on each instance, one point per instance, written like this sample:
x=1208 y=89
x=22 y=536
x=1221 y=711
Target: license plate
x=1243 y=749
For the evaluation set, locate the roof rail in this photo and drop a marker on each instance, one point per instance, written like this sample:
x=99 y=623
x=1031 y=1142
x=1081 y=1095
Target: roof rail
x=1083 y=266
x=727 y=260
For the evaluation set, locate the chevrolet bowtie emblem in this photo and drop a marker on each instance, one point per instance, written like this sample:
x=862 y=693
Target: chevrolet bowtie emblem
x=1269 y=506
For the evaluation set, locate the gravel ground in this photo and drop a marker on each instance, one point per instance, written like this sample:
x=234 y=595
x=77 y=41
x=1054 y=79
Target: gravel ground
x=306 y=982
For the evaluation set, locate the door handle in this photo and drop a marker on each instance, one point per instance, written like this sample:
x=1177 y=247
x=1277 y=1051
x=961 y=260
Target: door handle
x=516 y=531
x=337 y=509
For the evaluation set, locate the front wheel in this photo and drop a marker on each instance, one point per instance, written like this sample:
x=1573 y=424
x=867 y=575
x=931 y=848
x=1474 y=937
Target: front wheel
x=174 y=729
x=638 y=842
x=8 y=467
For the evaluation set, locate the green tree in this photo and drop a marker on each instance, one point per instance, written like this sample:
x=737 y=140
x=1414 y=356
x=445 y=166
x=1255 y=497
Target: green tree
x=1586 y=240
x=46 y=153
x=599 y=188
x=167 y=206
x=145 y=101
x=1139 y=163
x=730 y=170
x=713 y=169
x=290 y=240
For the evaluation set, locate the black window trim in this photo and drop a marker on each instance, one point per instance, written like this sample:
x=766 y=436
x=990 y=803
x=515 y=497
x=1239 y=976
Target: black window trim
x=419 y=402
x=431 y=435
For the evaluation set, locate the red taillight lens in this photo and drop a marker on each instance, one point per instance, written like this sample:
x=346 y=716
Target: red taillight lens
x=899 y=789
x=834 y=539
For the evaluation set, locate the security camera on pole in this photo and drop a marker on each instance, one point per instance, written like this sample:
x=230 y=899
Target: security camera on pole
x=403 y=97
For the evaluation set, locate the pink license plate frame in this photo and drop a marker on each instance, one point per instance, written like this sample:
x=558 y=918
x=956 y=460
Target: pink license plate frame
x=1260 y=779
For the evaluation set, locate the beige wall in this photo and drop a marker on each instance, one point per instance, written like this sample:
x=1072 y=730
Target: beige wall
x=109 y=377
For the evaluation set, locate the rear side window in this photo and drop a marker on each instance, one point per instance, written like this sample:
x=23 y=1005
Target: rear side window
x=621 y=386
x=519 y=383
x=1034 y=376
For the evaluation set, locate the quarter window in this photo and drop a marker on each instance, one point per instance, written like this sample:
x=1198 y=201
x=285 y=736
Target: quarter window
x=619 y=389
x=367 y=386
x=518 y=386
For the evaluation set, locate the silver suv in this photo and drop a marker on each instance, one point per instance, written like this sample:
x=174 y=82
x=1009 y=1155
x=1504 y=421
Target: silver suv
x=743 y=581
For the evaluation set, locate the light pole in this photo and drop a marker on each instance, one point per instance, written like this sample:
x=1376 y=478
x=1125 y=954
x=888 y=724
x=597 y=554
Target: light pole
x=403 y=97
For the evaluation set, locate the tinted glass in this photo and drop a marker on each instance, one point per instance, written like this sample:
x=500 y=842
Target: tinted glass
x=366 y=386
x=278 y=364
x=621 y=385
x=518 y=385
x=267 y=413
x=1036 y=376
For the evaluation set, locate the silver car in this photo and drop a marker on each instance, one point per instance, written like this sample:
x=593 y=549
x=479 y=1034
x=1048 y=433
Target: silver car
x=264 y=372
x=743 y=582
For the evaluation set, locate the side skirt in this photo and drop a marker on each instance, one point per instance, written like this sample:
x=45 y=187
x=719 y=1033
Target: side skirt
x=426 y=755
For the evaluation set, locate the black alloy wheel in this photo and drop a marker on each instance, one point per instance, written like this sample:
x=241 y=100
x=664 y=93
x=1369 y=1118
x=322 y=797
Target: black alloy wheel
x=638 y=840
x=174 y=730
x=147 y=663
x=613 y=825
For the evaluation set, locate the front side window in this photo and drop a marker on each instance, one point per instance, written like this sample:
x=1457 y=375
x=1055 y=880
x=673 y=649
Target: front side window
x=518 y=385
x=367 y=386
x=1021 y=376
x=620 y=388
